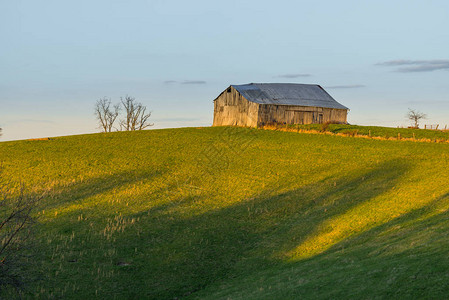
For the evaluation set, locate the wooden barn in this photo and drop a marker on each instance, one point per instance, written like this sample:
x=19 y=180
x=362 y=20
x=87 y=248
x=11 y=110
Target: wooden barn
x=258 y=104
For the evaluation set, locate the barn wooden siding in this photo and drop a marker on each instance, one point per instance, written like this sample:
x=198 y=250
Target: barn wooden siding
x=232 y=109
x=292 y=114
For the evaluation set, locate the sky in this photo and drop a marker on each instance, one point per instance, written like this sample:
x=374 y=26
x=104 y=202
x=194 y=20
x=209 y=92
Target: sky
x=57 y=58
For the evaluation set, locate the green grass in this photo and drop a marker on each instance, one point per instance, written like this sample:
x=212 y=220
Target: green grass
x=377 y=131
x=239 y=213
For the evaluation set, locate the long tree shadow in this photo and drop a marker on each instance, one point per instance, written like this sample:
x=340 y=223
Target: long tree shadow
x=401 y=228
x=183 y=255
x=41 y=243
x=403 y=258
x=169 y=253
x=79 y=191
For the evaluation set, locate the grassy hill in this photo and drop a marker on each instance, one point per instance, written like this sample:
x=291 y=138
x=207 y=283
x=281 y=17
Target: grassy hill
x=234 y=213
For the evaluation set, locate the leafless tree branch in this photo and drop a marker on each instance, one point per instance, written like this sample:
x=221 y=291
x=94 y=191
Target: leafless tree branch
x=136 y=117
x=143 y=122
x=415 y=116
x=15 y=220
x=106 y=113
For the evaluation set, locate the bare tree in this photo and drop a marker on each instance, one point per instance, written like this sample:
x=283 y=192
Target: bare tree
x=106 y=113
x=136 y=117
x=15 y=220
x=415 y=116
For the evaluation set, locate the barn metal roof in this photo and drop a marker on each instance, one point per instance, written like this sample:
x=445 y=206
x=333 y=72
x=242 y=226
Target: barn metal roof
x=288 y=94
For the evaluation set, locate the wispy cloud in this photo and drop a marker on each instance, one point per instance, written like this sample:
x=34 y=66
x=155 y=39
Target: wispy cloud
x=293 y=75
x=350 y=86
x=410 y=66
x=193 y=82
x=170 y=81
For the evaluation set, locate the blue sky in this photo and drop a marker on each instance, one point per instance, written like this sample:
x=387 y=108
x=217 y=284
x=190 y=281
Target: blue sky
x=58 y=57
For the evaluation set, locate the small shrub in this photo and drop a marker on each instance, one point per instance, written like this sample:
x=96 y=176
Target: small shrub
x=325 y=127
x=352 y=132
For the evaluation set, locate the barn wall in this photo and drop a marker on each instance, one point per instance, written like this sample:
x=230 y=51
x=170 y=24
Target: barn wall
x=270 y=114
x=230 y=108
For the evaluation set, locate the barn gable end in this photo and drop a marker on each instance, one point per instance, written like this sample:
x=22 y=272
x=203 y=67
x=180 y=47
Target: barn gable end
x=231 y=108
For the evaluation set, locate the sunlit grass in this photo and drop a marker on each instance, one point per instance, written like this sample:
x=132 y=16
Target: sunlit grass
x=233 y=212
x=391 y=133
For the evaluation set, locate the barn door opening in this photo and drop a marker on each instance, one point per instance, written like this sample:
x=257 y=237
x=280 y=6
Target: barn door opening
x=317 y=118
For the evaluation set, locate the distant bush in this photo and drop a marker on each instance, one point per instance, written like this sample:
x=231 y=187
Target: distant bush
x=325 y=126
x=351 y=132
